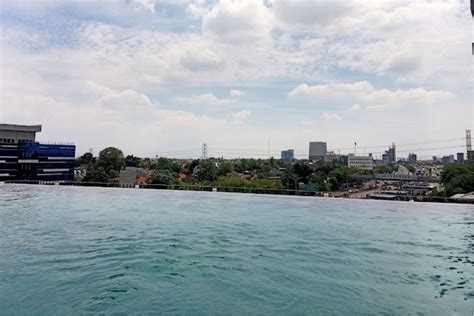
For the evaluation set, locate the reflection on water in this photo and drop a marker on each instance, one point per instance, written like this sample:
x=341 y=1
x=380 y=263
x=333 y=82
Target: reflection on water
x=70 y=250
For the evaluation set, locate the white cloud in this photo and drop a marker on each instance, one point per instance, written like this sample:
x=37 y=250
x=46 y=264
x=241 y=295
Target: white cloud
x=375 y=107
x=196 y=10
x=237 y=93
x=366 y=94
x=399 y=41
x=242 y=115
x=330 y=116
x=310 y=13
x=239 y=118
x=128 y=100
x=239 y=22
x=146 y=4
x=207 y=99
x=132 y=58
x=202 y=60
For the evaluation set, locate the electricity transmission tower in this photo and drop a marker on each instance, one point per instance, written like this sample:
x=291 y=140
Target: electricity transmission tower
x=468 y=140
x=204 y=151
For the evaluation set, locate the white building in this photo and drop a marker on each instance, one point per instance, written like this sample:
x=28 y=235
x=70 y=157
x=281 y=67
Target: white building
x=331 y=156
x=361 y=162
x=317 y=150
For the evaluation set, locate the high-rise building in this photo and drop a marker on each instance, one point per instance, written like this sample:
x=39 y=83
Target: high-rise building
x=412 y=158
x=390 y=154
x=460 y=158
x=470 y=157
x=447 y=159
x=317 y=150
x=22 y=158
x=288 y=155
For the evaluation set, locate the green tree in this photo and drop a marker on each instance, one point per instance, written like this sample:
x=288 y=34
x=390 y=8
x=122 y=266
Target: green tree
x=224 y=168
x=302 y=171
x=390 y=168
x=96 y=174
x=111 y=159
x=85 y=160
x=166 y=164
x=207 y=171
x=244 y=183
x=289 y=180
x=132 y=161
x=248 y=165
x=163 y=177
x=457 y=179
x=192 y=165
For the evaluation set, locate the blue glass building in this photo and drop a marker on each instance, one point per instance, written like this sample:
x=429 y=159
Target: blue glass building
x=22 y=158
x=288 y=155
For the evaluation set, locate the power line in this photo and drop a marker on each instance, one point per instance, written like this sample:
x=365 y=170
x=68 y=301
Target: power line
x=169 y=152
x=410 y=144
x=242 y=152
x=299 y=153
x=343 y=148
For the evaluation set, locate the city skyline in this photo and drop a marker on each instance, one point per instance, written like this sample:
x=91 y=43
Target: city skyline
x=161 y=76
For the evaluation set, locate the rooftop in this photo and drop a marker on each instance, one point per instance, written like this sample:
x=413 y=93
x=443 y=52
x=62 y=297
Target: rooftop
x=20 y=128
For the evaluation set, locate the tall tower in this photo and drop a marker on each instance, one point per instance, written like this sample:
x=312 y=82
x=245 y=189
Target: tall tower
x=204 y=151
x=394 y=153
x=468 y=140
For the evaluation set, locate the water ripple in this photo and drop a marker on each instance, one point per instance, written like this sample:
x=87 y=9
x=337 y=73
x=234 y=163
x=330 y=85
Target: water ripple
x=108 y=251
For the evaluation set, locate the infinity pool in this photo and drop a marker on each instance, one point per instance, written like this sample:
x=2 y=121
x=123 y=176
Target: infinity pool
x=72 y=250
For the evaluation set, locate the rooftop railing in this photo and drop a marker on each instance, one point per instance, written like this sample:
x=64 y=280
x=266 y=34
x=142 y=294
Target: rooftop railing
x=55 y=143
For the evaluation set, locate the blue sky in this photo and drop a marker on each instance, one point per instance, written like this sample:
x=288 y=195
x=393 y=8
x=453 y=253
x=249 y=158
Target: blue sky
x=154 y=76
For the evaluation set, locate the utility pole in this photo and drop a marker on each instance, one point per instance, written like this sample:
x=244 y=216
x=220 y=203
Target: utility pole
x=268 y=149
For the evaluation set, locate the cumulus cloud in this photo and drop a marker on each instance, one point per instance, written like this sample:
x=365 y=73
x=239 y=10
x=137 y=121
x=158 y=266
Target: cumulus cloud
x=330 y=116
x=129 y=100
x=237 y=93
x=98 y=71
x=146 y=4
x=207 y=99
x=310 y=13
x=365 y=93
x=397 y=40
x=239 y=22
x=240 y=117
x=202 y=60
x=355 y=107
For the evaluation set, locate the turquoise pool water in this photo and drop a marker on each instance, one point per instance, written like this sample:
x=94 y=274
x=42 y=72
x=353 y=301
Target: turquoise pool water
x=72 y=250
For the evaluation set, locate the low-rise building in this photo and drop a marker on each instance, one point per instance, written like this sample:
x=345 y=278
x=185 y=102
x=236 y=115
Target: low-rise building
x=332 y=156
x=131 y=175
x=361 y=162
x=23 y=158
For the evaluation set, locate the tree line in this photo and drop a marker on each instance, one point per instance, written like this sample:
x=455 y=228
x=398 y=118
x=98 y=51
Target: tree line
x=251 y=173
